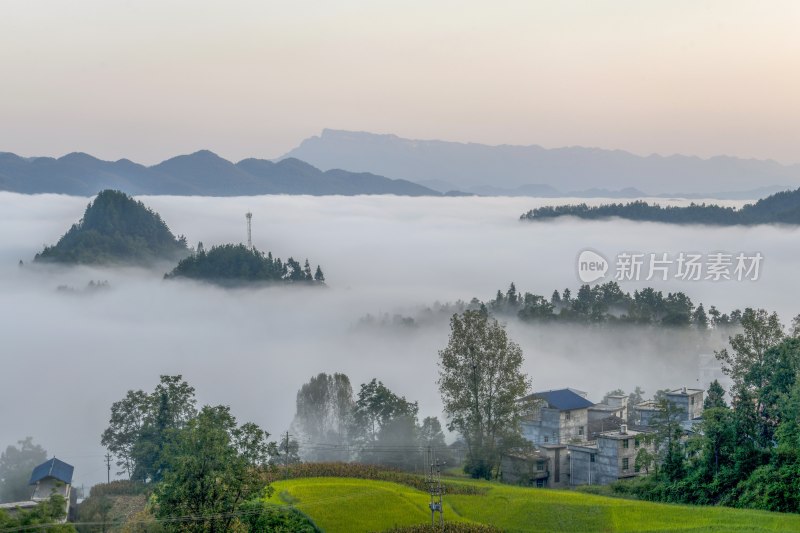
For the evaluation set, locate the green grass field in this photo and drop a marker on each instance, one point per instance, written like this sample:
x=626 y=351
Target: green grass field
x=353 y=505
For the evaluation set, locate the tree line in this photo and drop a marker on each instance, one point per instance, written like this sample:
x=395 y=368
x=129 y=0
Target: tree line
x=601 y=304
x=778 y=208
x=236 y=263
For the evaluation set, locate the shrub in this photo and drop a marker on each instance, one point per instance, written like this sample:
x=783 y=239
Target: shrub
x=365 y=471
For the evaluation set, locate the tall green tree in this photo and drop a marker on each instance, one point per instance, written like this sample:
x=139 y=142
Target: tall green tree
x=208 y=472
x=140 y=422
x=377 y=405
x=481 y=381
x=760 y=331
x=667 y=439
x=715 y=396
x=324 y=416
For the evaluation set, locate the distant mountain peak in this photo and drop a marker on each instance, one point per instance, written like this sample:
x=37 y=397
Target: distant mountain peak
x=470 y=165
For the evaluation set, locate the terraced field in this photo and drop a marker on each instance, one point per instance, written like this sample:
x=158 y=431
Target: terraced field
x=353 y=505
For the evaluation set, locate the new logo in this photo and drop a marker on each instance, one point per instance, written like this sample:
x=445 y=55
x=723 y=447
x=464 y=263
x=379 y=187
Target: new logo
x=591 y=266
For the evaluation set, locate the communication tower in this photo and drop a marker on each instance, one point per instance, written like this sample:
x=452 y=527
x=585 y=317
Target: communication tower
x=249 y=217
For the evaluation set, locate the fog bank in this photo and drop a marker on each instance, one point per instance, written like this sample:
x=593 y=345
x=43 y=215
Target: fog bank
x=67 y=357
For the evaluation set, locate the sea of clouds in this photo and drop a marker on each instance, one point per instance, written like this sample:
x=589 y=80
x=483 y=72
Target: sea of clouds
x=66 y=356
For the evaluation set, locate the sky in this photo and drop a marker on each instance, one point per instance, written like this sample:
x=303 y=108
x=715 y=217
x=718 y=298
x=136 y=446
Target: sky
x=67 y=356
x=147 y=80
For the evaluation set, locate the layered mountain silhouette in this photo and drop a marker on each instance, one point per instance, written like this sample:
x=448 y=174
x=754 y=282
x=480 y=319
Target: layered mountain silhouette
x=202 y=173
x=507 y=169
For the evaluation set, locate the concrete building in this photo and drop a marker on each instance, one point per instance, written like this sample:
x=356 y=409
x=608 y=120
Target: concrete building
x=614 y=405
x=644 y=412
x=558 y=417
x=531 y=468
x=689 y=401
x=610 y=458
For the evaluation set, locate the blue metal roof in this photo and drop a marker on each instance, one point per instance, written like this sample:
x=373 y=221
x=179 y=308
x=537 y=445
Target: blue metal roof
x=54 y=468
x=563 y=399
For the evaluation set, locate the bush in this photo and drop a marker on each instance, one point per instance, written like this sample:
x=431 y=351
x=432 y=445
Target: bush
x=364 y=471
x=260 y=516
x=120 y=488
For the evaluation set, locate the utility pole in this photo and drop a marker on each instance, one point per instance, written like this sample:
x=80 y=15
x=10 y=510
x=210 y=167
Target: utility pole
x=108 y=467
x=286 y=456
x=435 y=488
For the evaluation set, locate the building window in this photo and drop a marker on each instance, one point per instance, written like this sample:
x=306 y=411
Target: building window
x=566 y=415
x=580 y=430
x=636 y=443
x=591 y=457
x=546 y=439
x=539 y=483
x=625 y=464
x=625 y=443
x=540 y=466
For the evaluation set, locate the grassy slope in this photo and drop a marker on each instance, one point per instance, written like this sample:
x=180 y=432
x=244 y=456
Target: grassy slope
x=339 y=504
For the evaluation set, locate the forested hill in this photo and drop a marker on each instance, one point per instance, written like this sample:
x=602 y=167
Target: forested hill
x=236 y=264
x=202 y=173
x=116 y=229
x=779 y=208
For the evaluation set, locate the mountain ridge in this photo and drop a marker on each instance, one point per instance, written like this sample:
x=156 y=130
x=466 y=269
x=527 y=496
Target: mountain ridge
x=202 y=173
x=463 y=166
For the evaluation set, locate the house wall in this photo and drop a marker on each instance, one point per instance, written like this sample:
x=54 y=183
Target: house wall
x=558 y=463
x=556 y=427
x=644 y=416
x=607 y=467
x=600 y=414
x=582 y=470
x=519 y=471
x=690 y=404
x=573 y=425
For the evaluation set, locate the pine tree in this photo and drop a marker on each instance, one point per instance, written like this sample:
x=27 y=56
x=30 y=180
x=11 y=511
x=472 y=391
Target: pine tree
x=715 y=397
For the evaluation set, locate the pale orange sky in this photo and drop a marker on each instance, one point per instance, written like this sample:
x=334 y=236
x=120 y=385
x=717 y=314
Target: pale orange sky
x=151 y=79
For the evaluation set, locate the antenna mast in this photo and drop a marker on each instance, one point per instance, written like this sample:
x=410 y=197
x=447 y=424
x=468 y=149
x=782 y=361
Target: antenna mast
x=249 y=217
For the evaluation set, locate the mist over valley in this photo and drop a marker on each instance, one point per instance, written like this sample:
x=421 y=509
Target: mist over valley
x=252 y=348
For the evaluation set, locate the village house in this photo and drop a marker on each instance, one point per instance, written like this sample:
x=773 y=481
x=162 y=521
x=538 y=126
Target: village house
x=609 y=458
x=615 y=405
x=557 y=417
x=689 y=401
x=530 y=468
x=578 y=442
x=51 y=477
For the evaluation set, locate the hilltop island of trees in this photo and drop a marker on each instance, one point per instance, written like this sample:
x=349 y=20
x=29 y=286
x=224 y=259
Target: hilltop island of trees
x=235 y=264
x=779 y=208
x=116 y=229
